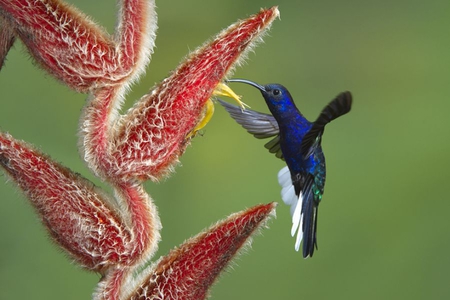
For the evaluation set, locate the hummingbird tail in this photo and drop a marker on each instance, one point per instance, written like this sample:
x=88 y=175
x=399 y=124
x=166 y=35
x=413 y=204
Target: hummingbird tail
x=304 y=210
x=310 y=213
x=294 y=201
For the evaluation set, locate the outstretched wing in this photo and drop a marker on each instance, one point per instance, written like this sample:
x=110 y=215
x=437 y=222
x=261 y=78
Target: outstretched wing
x=337 y=107
x=261 y=125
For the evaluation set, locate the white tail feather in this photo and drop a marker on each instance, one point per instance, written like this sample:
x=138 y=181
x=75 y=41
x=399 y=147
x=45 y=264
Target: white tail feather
x=284 y=177
x=287 y=189
x=297 y=223
x=299 y=235
x=290 y=198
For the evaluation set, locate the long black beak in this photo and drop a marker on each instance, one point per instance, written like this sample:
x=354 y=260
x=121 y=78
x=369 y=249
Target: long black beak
x=254 y=84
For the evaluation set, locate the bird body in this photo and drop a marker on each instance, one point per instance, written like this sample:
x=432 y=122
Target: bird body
x=298 y=142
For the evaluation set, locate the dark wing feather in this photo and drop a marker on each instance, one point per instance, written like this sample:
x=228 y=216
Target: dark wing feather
x=261 y=125
x=337 y=107
x=274 y=147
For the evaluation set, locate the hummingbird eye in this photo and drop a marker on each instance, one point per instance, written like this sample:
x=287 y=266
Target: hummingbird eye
x=276 y=92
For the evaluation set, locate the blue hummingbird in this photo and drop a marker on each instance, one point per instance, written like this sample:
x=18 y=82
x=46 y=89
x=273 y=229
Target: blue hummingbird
x=297 y=141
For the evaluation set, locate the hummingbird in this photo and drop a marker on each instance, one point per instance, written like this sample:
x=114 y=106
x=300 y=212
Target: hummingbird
x=296 y=141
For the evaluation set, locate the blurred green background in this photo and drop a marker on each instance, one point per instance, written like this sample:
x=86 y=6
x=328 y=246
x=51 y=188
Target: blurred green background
x=384 y=220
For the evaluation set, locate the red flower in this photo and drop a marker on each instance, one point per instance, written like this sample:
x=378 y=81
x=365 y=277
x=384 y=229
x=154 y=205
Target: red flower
x=117 y=236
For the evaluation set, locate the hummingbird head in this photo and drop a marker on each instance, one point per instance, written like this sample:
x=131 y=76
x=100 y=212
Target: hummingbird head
x=277 y=97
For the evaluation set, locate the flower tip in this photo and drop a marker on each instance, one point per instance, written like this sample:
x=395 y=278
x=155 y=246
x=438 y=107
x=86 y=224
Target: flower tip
x=274 y=11
x=267 y=210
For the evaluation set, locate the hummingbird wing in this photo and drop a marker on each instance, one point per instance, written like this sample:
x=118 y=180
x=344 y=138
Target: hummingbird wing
x=261 y=125
x=274 y=147
x=337 y=107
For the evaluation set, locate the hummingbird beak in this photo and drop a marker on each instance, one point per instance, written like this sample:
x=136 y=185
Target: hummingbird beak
x=254 y=84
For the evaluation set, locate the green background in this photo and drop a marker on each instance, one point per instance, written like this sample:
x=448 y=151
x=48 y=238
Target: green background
x=384 y=220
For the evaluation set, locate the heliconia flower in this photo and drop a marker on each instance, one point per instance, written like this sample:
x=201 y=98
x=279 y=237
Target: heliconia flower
x=71 y=47
x=117 y=236
x=95 y=230
x=78 y=52
x=147 y=141
x=188 y=272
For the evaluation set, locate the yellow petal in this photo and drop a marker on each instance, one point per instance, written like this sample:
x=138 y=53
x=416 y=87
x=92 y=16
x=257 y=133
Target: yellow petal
x=224 y=90
x=208 y=111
